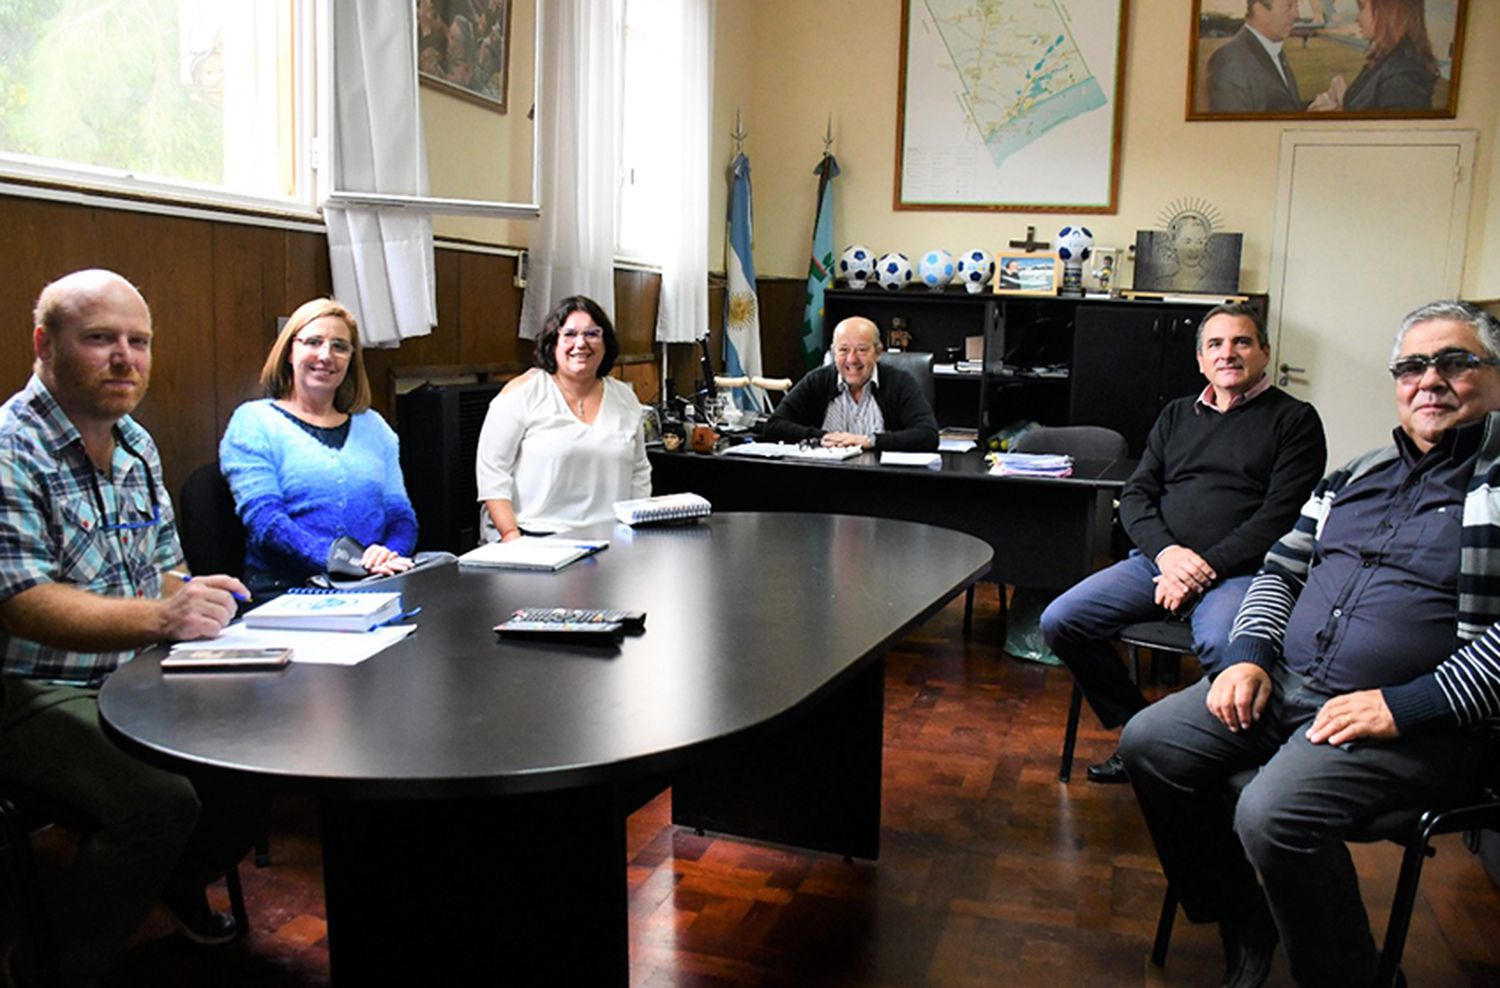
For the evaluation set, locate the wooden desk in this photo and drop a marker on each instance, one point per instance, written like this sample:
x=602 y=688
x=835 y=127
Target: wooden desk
x=756 y=689
x=1045 y=533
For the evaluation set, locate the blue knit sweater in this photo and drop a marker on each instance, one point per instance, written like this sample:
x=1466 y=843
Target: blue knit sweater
x=297 y=495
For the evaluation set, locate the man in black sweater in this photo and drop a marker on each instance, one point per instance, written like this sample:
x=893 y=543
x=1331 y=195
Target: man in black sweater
x=1222 y=478
x=851 y=402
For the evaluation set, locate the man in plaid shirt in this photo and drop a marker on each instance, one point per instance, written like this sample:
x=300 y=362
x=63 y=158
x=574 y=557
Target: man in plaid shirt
x=86 y=533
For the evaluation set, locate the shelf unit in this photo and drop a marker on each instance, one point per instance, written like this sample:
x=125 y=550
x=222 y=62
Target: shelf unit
x=1054 y=360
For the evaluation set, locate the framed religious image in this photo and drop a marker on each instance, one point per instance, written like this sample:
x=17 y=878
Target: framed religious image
x=1318 y=60
x=1028 y=274
x=463 y=48
x=1010 y=105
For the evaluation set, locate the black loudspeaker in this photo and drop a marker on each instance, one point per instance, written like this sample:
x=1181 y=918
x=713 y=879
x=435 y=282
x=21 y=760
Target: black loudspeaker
x=439 y=431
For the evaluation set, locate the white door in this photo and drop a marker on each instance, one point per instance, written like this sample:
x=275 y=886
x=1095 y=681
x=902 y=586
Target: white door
x=1369 y=225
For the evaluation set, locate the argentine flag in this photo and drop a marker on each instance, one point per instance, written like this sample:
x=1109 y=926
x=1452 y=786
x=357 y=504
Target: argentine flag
x=741 y=308
x=820 y=268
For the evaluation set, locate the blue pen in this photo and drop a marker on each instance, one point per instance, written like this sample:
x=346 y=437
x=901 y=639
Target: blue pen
x=188 y=578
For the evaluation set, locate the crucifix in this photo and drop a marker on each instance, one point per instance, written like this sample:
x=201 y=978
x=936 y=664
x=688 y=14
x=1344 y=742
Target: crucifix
x=1031 y=243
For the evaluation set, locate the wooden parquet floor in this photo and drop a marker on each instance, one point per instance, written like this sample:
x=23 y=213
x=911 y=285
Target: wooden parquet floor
x=991 y=872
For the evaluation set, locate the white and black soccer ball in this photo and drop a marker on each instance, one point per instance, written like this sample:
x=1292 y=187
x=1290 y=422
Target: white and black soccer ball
x=976 y=269
x=893 y=271
x=857 y=265
x=936 y=269
x=1074 y=245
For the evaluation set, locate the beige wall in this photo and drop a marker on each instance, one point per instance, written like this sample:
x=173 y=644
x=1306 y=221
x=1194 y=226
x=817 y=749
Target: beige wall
x=810 y=60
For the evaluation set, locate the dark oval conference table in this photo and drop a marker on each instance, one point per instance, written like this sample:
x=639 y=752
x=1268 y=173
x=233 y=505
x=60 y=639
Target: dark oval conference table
x=473 y=790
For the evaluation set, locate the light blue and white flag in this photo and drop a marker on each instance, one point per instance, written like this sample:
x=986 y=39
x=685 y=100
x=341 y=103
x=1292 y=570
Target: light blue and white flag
x=741 y=307
x=820 y=268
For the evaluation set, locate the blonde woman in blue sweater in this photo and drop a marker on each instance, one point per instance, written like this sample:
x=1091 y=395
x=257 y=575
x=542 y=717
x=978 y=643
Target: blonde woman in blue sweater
x=312 y=462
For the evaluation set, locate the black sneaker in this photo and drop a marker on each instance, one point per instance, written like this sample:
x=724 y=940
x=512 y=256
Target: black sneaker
x=197 y=922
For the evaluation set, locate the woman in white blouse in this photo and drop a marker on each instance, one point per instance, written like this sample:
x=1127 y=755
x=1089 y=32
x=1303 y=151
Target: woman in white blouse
x=561 y=444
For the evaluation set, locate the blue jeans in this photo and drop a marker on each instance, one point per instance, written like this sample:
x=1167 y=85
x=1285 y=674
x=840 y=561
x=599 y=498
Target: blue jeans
x=1080 y=625
x=1290 y=822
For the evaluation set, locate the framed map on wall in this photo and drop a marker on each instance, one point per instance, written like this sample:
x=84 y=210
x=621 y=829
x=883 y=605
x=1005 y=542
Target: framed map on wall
x=1010 y=105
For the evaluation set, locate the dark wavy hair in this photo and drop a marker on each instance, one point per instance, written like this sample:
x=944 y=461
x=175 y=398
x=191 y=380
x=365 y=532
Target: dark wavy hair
x=546 y=343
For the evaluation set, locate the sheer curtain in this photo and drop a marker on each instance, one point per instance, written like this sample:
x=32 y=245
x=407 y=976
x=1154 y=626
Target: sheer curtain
x=381 y=259
x=573 y=246
x=682 y=315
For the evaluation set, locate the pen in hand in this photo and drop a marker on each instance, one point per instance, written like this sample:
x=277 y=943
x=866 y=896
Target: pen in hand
x=188 y=578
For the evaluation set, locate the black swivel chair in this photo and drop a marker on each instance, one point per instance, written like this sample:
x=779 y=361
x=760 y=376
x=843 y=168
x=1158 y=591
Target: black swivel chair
x=916 y=363
x=1414 y=829
x=213 y=540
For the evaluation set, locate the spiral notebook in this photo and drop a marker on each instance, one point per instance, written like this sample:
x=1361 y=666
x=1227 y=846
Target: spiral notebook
x=663 y=508
x=315 y=609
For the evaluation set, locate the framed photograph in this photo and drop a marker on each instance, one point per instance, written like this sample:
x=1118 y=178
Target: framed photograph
x=1028 y=274
x=1104 y=271
x=1010 y=105
x=1338 y=59
x=463 y=48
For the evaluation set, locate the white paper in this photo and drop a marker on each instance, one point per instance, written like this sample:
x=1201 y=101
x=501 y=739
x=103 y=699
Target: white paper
x=338 y=648
x=956 y=445
x=895 y=458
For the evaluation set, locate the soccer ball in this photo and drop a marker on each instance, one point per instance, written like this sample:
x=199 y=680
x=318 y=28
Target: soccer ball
x=893 y=271
x=856 y=265
x=936 y=269
x=975 y=269
x=1074 y=245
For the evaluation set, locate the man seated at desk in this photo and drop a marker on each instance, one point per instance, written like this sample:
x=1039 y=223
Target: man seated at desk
x=1222 y=477
x=854 y=402
x=86 y=533
x=1360 y=676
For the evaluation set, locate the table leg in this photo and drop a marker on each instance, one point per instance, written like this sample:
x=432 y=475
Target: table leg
x=815 y=783
x=523 y=890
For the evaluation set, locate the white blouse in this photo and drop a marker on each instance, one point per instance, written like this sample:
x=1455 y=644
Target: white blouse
x=556 y=471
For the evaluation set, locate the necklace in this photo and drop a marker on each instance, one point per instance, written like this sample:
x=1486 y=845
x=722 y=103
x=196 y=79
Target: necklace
x=578 y=402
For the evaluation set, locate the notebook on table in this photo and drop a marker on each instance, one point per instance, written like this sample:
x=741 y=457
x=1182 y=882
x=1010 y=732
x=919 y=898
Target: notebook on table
x=309 y=609
x=663 y=508
x=529 y=552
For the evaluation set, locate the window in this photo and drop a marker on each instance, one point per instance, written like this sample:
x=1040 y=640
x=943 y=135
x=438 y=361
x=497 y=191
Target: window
x=198 y=99
x=647 y=66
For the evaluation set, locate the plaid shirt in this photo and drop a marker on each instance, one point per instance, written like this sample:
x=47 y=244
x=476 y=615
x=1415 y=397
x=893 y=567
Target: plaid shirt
x=52 y=531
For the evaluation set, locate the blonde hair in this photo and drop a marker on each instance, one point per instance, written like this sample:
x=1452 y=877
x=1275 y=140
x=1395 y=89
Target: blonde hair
x=353 y=395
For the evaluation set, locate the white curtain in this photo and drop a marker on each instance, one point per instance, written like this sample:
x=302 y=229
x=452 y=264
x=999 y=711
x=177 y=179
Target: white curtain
x=682 y=315
x=573 y=246
x=382 y=259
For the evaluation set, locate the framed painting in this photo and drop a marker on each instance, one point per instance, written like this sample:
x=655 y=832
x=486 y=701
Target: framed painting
x=1028 y=274
x=1010 y=105
x=1325 y=59
x=463 y=48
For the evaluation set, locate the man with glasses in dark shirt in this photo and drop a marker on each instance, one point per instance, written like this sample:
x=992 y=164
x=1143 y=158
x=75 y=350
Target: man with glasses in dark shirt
x=86 y=536
x=1361 y=675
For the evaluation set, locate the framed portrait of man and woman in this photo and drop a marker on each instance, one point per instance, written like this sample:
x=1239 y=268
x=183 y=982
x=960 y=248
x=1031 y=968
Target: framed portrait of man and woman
x=1331 y=59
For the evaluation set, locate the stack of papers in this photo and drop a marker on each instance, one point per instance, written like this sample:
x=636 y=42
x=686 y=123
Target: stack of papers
x=1031 y=465
x=322 y=647
x=793 y=451
x=932 y=461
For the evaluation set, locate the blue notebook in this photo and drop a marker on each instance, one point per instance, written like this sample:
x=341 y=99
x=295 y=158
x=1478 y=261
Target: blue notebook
x=308 y=609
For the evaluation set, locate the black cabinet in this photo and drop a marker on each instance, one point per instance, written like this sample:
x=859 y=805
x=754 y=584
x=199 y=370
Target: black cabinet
x=1054 y=360
x=1128 y=362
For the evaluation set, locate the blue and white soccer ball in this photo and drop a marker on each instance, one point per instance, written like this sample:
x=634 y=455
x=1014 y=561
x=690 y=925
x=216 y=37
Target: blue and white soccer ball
x=1074 y=245
x=893 y=271
x=976 y=269
x=857 y=265
x=936 y=269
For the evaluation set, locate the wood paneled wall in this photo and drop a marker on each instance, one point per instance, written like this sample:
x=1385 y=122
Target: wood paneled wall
x=216 y=289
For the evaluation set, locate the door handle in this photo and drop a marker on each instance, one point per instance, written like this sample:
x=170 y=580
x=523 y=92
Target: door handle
x=1287 y=370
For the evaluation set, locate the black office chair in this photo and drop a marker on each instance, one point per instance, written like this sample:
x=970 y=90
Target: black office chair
x=213 y=540
x=916 y=363
x=24 y=813
x=1414 y=829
